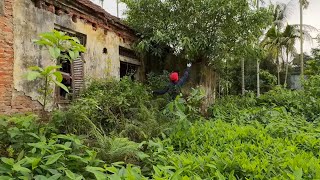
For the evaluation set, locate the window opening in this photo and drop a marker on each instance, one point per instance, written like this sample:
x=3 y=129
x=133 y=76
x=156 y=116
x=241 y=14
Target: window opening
x=128 y=69
x=72 y=73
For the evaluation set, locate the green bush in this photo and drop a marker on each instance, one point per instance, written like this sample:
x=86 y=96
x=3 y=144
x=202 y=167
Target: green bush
x=124 y=108
x=304 y=103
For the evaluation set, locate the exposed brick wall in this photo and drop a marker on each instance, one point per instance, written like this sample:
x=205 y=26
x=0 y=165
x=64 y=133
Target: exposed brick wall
x=6 y=57
x=21 y=103
x=11 y=101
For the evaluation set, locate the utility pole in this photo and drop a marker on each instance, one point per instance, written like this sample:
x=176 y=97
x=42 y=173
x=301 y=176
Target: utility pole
x=101 y=3
x=258 y=64
x=301 y=40
x=117 y=8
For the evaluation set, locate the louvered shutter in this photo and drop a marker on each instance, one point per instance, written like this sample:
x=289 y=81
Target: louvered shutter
x=77 y=76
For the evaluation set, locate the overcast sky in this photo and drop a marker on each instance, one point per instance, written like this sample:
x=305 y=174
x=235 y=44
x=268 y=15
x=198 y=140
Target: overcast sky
x=311 y=15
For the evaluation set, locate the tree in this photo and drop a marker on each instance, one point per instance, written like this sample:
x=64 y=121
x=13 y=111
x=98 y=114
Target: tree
x=206 y=31
x=313 y=65
x=290 y=35
x=273 y=43
x=279 y=37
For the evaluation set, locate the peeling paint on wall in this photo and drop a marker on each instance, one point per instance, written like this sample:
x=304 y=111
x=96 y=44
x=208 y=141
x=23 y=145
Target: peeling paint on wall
x=29 y=21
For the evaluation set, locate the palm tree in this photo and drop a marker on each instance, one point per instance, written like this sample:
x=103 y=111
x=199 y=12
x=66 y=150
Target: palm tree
x=290 y=35
x=274 y=43
x=276 y=40
x=303 y=5
x=273 y=38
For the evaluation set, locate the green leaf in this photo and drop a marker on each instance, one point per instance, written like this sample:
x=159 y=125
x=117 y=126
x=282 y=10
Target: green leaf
x=115 y=177
x=112 y=169
x=53 y=158
x=32 y=75
x=54 y=52
x=72 y=55
x=49 y=69
x=40 y=177
x=55 y=177
x=97 y=171
x=35 y=68
x=220 y=176
x=76 y=40
x=142 y=155
x=20 y=156
x=18 y=168
x=34 y=162
x=8 y=161
x=58 y=76
x=70 y=174
x=62 y=86
x=6 y=178
x=34 y=135
x=298 y=174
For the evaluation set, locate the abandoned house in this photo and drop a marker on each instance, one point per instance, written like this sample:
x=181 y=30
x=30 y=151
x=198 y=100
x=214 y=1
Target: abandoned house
x=107 y=40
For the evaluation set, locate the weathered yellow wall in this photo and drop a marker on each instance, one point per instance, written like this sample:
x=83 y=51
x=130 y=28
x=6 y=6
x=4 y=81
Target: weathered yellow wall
x=30 y=21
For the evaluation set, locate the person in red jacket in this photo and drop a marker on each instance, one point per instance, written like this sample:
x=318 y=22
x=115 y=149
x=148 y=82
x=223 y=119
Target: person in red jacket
x=174 y=87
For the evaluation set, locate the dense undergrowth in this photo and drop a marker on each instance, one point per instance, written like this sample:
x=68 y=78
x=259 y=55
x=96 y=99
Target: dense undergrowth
x=121 y=132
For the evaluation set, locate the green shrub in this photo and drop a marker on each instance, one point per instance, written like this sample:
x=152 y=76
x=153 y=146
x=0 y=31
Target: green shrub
x=123 y=107
x=16 y=131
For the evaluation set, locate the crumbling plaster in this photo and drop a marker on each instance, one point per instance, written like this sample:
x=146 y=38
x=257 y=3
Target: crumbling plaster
x=29 y=21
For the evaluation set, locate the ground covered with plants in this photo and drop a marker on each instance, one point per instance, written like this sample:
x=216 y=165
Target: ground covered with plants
x=125 y=133
x=118 y=130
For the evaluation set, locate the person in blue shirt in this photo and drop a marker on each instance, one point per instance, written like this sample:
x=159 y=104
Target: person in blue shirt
x=174 y=87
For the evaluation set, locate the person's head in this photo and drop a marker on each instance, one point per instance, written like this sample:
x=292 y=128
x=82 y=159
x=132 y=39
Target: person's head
x=174 y=77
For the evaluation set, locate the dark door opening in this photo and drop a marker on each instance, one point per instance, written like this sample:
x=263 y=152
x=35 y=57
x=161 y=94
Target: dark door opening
x=67 y=79
x=128 y=69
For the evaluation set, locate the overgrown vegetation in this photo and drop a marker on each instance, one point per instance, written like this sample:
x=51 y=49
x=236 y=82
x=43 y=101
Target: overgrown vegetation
x=118 y=130
x=274 y=136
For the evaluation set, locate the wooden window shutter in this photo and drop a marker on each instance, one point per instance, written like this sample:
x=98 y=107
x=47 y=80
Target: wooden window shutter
x=77 y=76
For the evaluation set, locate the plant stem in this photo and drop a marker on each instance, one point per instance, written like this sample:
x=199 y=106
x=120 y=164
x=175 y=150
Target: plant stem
x=45 y=94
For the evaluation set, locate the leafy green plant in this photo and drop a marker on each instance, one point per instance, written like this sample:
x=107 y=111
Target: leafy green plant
x=60 y=156
x=60 y=47
x=58 y=43
x=49 y=76
x=269 y=81
x=220 y=150
x=124 y=108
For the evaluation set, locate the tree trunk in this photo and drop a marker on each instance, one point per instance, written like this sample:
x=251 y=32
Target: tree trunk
x=242 y=77
x=258 y=78
x=287 y=67
x=301 y=40
x=258 y=66
x=278 y=67
x=209 y=82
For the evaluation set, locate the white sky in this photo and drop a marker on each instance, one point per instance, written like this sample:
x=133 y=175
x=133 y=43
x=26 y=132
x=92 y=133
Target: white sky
x=311 y=15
